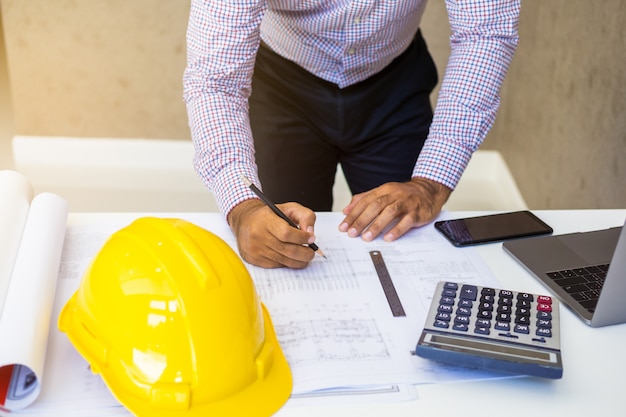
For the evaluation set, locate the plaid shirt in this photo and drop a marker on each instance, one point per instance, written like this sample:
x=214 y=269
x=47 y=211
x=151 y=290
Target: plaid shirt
x=344 y=43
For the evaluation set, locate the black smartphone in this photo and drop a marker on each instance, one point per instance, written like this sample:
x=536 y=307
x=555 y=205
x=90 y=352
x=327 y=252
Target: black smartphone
x=492 y=228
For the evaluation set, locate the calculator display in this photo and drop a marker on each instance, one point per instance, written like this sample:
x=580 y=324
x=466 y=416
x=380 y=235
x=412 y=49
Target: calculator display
x=493 y=349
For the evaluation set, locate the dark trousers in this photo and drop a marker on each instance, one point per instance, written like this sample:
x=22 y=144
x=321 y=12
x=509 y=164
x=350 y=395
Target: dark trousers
x=304 y=126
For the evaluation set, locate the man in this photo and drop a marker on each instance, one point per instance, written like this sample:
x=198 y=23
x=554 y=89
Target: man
x=308 y=84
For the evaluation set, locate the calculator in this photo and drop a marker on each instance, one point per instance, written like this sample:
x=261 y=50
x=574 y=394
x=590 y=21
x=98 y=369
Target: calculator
x=495 y=329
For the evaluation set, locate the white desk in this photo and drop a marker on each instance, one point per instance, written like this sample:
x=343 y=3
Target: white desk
x=593 y=359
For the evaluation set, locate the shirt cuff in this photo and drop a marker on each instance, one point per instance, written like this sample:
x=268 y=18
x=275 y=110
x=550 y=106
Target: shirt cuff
x=442 y=161
x=229 y=189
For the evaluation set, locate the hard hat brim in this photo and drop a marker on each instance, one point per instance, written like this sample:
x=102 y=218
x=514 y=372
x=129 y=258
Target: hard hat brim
x=264 y=397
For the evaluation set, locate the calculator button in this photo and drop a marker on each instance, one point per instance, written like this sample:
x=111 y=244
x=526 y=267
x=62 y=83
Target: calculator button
x=485 y=306
x=447 y=300
x=466 y=303
x=488 y=291
x=502 y=325
x=504 y=309
x=523 y=303
x=483 y=323
x=544 y=315
x=506 y=294
x=544 y=299
x=544 y=307
x=463 y=311
x=443 y=308
x=461 y=320
x=505 y=301
x=460 y=327
x=522 y=320
x=484 y=314
x=481 y=330
x=486 y=298
x=443 y=316
x=525 y=296
x=545 y=332
x=544 y=323
x=521 y=328
x=451 y=286
x=449 y=293
x=503 y=317
x=441 y=324
x=469 y=292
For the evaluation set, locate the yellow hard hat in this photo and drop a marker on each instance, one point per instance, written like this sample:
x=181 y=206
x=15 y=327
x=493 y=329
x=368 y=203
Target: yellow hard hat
x=168 y=315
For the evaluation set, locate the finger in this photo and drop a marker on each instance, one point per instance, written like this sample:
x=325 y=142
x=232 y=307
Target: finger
x=277 y=255
x=353 y=201
x=294 y=256
x=287 y=244
x=421 y=217
x=300 y=215
x=358 y=204
x=405 y=224
x=389 y=215
x=254 y=258
x=286 y=235
x=364 y=214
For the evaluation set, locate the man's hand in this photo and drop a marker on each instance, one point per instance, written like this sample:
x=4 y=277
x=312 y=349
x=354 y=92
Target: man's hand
x=266 y=240
x=409 y=204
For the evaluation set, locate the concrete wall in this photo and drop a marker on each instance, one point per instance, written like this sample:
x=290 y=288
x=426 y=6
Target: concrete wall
x=563 y=121
x=109 y=68
x=113 y=69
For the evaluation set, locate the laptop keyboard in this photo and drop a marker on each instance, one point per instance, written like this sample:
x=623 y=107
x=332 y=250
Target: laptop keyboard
x=583 y=284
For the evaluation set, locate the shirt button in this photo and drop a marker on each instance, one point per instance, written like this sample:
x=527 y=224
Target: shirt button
x=351 y=51
x=357 y=20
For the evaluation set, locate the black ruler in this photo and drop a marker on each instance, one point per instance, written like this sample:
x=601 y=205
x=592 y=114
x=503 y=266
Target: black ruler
x=385 y=280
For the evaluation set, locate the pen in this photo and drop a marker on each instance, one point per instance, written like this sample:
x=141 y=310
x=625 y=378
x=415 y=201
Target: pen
x=276 y=210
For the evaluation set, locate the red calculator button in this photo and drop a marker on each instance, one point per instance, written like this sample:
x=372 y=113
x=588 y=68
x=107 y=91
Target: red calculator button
x=544 y=307
x=544 y=299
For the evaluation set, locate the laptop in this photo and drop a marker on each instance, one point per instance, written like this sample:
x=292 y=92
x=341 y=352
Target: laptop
x=586 y=271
